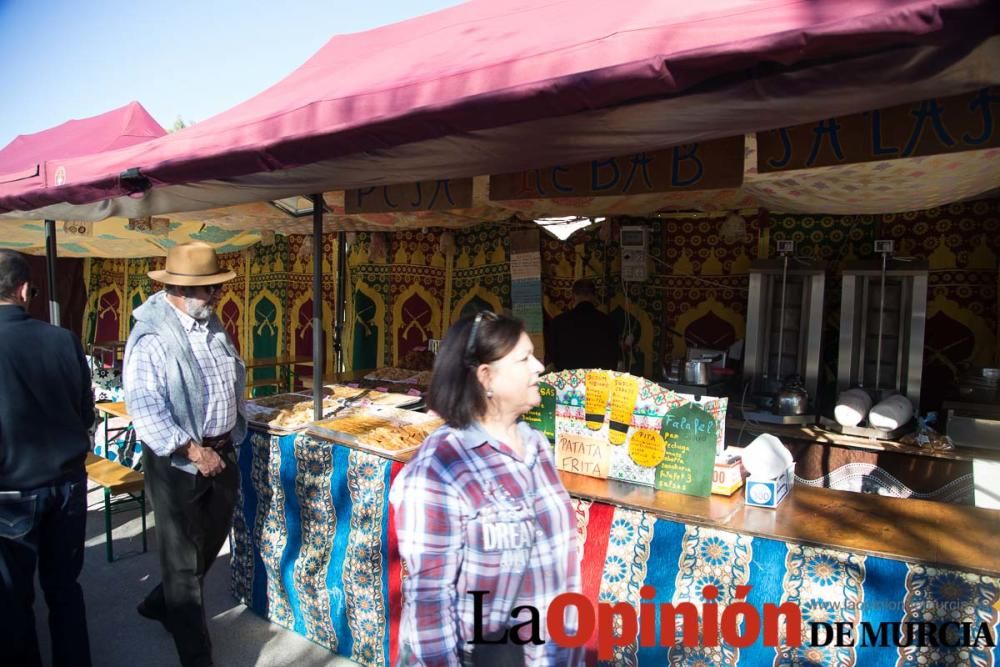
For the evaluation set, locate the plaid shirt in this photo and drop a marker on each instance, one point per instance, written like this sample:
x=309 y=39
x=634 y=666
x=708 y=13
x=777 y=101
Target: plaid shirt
x=471 y=516
x=145 y=383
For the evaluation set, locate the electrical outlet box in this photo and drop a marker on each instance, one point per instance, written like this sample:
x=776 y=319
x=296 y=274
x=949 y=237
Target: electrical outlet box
x=884 y=246
x=785 y=247
x=634 y=247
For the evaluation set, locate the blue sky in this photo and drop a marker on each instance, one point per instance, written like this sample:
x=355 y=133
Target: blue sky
x=63 y=59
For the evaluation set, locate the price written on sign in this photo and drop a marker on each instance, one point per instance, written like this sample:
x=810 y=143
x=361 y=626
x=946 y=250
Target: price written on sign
x=689 y=434
x=583 y=454
x=646 y=447
x=624 y=393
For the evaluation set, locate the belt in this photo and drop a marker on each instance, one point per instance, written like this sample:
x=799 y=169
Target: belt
x=217 y=442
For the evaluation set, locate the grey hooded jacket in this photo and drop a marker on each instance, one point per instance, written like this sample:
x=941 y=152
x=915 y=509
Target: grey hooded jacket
x=184 y=377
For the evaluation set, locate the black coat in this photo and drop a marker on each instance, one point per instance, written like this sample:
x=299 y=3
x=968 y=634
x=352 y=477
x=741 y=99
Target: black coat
x=46 y=403
x=583 y=337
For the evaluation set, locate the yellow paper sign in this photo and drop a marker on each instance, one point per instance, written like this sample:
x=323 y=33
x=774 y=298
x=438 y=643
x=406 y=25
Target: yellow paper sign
x=646 y=448
x=624 y=393
x=583 y=454
x=597 y=385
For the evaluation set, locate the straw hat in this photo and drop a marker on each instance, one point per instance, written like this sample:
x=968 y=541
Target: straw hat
x=190 y=265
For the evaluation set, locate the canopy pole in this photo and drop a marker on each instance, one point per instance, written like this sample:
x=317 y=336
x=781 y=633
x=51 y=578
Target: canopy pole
x=50 y=268
x=317 y=318
x=341 y=313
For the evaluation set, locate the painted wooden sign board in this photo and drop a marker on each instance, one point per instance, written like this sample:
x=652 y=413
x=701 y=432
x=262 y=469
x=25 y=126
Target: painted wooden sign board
x=439 y=195
x=709 y=165
x=930 y=127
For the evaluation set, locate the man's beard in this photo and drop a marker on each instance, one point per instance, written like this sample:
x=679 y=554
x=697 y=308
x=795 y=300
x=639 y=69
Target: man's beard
x=198 y=309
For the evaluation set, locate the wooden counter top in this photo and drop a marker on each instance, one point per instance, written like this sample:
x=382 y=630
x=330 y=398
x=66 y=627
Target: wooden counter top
x=113 y=409
x=816 y=434
x=921 y=531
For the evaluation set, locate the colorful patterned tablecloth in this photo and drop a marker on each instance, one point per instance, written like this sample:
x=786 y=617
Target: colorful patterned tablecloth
x=314 y=552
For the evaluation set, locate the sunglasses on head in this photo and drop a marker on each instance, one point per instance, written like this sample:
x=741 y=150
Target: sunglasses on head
x=470 y=344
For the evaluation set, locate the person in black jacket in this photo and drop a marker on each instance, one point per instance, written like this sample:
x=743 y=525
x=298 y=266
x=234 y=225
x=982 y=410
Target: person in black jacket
x=46 y=411
x=583 y=337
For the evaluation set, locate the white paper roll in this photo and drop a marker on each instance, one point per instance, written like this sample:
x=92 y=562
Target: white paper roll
x=891 y=413
x=852 y=407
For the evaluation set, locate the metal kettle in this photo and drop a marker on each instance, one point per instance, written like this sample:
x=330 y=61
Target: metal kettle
x=792 y=399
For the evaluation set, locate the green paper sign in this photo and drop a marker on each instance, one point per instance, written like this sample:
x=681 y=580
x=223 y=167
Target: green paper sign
x=689 y=432
x=543 y=417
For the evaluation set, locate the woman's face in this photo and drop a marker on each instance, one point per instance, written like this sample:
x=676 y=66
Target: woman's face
x=513 y=379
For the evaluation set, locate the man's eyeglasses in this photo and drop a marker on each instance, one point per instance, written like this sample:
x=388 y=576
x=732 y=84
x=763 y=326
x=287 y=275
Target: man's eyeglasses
x=32 y=291
x=470 y=344
x=211 y=289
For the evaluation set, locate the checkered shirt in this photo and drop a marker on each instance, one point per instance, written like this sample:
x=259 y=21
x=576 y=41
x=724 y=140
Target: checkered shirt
x=471 y=516
x=145 y=383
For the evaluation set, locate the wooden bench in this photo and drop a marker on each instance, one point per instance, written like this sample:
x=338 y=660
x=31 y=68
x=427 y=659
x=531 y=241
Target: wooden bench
x=117 y=480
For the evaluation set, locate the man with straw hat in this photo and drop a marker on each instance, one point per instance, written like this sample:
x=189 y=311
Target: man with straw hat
x=184 y=384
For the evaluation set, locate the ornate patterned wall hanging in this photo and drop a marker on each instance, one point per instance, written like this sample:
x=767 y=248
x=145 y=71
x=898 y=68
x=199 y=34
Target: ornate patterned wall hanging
x=959 y=242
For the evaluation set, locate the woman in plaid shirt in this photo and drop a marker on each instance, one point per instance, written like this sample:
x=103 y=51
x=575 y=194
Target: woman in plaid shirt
x=481 y=508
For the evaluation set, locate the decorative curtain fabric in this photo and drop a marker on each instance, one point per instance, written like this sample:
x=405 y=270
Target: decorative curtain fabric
x=315 y=552
x=407 y=287
x=267 y=309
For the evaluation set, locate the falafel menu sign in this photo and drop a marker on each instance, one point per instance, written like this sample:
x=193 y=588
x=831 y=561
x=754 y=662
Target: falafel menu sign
x=689 y=433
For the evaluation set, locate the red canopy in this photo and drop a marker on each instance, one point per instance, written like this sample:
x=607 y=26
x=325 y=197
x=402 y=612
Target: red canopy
x=498 y=85
x=118 y=128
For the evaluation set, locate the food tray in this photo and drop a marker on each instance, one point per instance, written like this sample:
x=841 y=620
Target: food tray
x=389 y=432
x=370 y=397
x=390 y=374
x=391 y=400
x=267 y=412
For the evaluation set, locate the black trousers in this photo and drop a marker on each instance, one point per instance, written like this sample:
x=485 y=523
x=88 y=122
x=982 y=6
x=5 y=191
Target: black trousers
x=193 y=516
x=43 y=527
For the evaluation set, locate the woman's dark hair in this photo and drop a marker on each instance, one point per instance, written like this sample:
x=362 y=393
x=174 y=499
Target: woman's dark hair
x=455 y=392
x=14 y=272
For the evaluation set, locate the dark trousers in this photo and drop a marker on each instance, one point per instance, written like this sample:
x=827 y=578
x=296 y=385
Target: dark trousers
x=43 y=528
x=193 y=517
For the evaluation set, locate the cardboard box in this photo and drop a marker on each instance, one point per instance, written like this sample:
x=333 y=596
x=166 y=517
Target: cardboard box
x=769 y=492
x=727 y=478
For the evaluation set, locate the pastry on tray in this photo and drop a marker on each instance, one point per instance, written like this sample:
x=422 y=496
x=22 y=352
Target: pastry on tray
x=390 y=374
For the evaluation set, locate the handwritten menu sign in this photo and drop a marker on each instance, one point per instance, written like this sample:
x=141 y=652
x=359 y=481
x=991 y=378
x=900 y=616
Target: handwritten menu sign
x=646 y=447
x=597 y=385
x=543 y=416
x=689 y=433
x=583 y=454
x=624 y=393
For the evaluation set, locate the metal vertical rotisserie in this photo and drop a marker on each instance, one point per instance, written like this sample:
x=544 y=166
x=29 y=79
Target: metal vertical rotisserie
x=784 y=330
x=883 y=314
